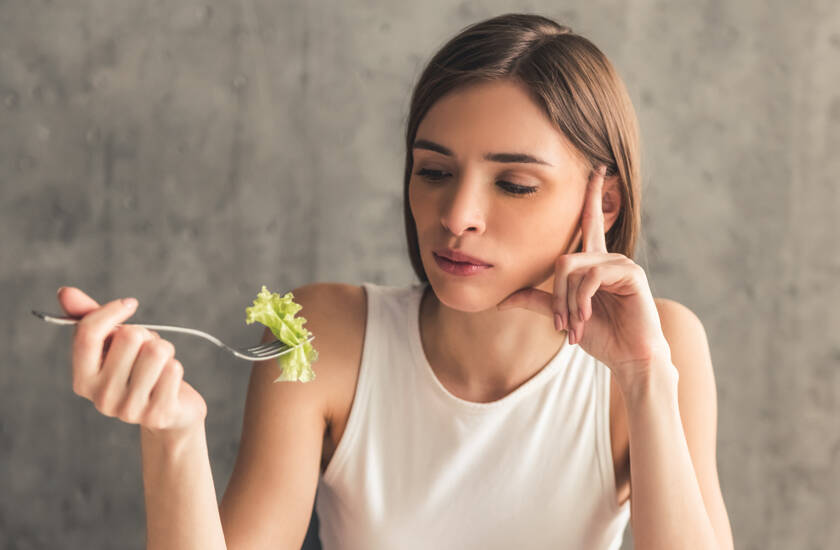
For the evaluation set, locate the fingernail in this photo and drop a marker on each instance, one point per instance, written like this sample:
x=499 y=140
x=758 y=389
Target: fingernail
x=129 y=302
x=58 y=292
x=558 y=322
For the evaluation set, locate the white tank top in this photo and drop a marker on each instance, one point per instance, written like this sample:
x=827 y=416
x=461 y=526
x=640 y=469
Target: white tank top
x=419 y=468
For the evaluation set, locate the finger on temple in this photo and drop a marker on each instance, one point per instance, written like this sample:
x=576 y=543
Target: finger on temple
x=594 y=239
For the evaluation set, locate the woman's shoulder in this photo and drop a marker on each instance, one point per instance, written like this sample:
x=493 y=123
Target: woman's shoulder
x=336 y=301
x=285 y=424
x=336 y=315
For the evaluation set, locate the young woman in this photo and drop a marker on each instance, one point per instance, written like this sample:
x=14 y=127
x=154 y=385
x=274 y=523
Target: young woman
x=510 y=399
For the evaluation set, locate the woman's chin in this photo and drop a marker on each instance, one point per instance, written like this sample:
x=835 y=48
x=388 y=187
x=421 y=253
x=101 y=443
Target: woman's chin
x=463 y=296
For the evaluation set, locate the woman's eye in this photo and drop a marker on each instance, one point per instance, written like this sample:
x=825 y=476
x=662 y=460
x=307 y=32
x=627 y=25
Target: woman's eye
x=437 y=175
x=433 y=175
x=517 y=189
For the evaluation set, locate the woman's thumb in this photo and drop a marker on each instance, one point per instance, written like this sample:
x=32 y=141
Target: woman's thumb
x=75 y=302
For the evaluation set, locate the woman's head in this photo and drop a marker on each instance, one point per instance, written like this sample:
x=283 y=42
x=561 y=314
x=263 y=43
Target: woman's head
x=520 y=84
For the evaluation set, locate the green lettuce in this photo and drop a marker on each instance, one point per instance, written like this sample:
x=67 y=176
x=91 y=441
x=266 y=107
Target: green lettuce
x=278 y=314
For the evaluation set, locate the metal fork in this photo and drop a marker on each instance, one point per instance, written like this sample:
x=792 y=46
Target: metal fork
x=253 y=353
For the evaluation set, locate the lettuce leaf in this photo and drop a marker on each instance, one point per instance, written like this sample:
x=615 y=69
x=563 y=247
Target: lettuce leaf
x=278 y=314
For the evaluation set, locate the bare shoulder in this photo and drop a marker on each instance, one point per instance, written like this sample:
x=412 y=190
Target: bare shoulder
x=336 y=315
x=285 y=424
x=674 y=311
x=681 y=327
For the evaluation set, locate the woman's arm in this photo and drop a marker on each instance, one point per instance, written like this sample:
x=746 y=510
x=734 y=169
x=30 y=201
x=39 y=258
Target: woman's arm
x=181 y=507
x=268 y=499
x=136 y=378
x=675 y=497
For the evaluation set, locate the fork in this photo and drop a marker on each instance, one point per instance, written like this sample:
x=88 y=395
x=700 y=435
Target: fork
x=253 y=353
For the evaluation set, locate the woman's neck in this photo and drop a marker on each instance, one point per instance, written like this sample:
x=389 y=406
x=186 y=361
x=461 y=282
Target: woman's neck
x=483 y=356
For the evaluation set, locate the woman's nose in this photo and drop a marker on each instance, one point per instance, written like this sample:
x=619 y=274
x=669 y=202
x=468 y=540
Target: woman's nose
x=463 y=209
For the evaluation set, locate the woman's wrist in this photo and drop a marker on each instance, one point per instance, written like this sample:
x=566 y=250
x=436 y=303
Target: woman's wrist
x=172 y=441
x=653 y=377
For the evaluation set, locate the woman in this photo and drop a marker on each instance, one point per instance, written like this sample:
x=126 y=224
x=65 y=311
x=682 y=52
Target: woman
x=511 y=398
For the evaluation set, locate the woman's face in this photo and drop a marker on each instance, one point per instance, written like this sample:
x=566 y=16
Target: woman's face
x=516 y=215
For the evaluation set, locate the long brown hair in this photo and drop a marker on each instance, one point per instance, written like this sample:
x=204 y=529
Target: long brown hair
x=568 y=76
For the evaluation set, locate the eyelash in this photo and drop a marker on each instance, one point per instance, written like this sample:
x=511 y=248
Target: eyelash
x=512 y=188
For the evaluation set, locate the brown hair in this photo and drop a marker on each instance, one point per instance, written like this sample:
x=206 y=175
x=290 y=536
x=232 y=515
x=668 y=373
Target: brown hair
x=568 y=76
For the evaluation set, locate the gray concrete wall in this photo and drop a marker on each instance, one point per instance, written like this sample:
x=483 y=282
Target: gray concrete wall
x=188 y=152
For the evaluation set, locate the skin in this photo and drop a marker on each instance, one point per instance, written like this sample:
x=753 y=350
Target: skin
x=488 y=333
x=478 y=352
x=128 y=372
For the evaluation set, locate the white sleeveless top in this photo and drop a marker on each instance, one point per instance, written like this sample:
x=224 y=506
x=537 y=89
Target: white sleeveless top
x=419 y=468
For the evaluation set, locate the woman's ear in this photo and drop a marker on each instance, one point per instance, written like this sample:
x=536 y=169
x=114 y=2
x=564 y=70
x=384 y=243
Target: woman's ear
x=611 y=203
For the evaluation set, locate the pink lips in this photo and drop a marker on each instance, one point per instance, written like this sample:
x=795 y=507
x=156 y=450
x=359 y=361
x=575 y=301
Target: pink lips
x=447 y=260
x=455 y=256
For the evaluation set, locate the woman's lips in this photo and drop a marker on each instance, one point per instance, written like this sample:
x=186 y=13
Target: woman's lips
x=458 y=268
x=458 y=256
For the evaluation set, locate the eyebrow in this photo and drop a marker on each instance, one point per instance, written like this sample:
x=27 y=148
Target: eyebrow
x=494 y=157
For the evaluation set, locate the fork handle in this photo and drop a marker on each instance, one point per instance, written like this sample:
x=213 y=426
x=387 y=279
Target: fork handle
x=74 y=320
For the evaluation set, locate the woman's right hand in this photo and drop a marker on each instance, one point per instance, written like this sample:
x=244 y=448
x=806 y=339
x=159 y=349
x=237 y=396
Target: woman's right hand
x=128 y=372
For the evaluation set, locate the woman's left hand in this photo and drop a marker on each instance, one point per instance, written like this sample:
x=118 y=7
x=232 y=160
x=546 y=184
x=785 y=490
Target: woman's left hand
x=603 y=298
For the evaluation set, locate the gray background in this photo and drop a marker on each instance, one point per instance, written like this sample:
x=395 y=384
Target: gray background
x=188 y=152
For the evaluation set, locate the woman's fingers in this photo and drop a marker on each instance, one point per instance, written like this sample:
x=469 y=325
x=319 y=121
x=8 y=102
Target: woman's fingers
x=589 y=285
x=561 y=271
x=592 y=219
x=577 y=277
x=163 y=401
x=131 y=371
x=89 y=341
x=75 y=302
x=565 y=266
x=576 y=281
x=529 y=298
x=558 y=304
x=127 y=371
x=112 y=378
x=145 y=374
x=573 y=282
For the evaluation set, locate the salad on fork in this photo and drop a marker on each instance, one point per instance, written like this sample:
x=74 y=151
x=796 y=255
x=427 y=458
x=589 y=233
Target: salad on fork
x=278 y=314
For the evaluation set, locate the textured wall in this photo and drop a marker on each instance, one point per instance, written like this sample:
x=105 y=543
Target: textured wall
x=187 y=152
